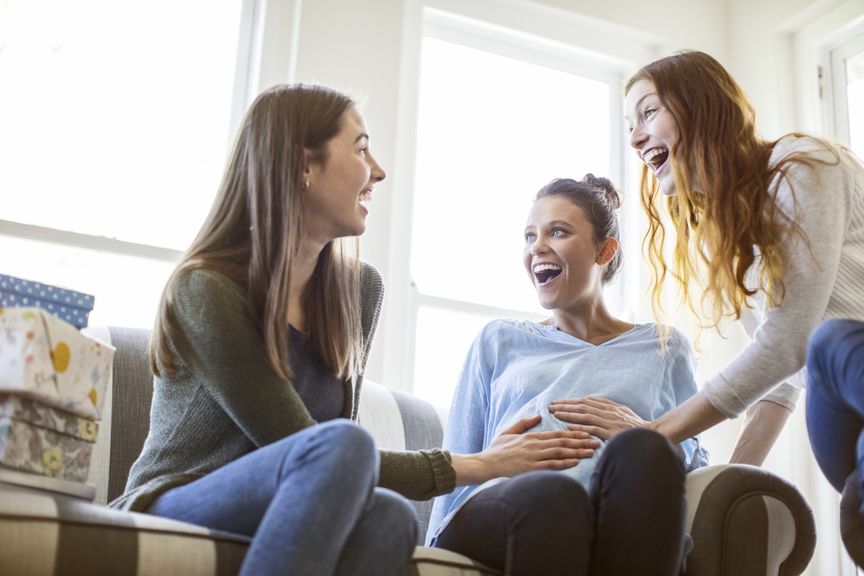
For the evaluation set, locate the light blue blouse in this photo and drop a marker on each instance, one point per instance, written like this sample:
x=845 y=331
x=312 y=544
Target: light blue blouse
x=515 y=369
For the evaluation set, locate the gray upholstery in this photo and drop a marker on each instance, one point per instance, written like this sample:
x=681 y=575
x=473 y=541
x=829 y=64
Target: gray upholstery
x=130 y=407
x=744 y=521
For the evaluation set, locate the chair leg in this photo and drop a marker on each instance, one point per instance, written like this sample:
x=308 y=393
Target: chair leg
x=851 y=520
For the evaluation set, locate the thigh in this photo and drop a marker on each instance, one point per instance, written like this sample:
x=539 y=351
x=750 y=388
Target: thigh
x=536 y=523
x=638 y=494
x=236 y=497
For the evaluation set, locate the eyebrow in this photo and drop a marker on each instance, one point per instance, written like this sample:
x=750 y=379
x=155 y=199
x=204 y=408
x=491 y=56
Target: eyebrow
x=361 y=136
x=639 y=102
x=551 y=224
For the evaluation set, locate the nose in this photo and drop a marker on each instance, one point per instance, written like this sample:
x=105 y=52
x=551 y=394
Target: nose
x=637 y=137
x=538 y=247
x=378 y=173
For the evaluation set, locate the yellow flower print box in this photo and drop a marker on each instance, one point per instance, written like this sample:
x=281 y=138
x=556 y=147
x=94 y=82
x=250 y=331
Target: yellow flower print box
x=45 y=359
x=43 y=440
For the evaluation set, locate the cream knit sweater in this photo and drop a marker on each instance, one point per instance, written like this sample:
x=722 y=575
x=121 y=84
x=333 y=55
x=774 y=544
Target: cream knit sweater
x=824 y=279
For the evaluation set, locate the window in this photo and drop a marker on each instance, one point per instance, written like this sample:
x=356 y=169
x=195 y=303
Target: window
x=844 y=83
x=495 y=123
x=847 y=68
x=114 y=124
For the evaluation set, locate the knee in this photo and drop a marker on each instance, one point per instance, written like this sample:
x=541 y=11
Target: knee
x=396 y=517
x=347 y=436
x=548 y=495
x=348 y=443
x=826 y=337
x=823 y=338
x=639 y=445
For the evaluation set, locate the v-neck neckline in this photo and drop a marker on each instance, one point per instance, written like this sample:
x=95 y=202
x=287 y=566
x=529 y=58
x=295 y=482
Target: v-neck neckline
x=552 y=328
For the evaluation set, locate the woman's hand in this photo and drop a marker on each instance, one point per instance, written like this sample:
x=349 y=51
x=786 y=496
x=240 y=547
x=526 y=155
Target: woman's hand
x=515 y=451
x=598 y=416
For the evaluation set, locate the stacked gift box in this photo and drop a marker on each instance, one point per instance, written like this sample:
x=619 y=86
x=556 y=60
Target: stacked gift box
x=52 y=383
x=69 y=305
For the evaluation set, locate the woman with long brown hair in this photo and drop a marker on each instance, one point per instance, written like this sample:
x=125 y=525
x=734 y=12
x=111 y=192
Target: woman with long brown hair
x=263 y=333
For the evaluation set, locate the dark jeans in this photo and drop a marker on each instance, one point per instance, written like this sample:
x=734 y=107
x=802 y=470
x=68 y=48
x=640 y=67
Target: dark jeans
x=835 y=398
x=546 y=523
x=310 y=504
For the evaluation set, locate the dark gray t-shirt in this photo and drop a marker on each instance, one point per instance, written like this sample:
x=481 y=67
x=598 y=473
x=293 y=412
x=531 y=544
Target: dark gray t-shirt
x=321 y=391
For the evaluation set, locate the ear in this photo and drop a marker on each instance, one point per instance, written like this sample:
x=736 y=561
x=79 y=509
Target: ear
x=307 y=162
x=607 y=251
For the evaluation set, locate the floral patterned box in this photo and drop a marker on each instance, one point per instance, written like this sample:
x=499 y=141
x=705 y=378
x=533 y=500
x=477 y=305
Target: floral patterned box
x=45 y=359
x=43 y=440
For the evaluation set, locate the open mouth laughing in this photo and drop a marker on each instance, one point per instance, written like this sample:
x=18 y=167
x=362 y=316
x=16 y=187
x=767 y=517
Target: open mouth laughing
x=366 y=198
x=656 y=158
x=545 y=272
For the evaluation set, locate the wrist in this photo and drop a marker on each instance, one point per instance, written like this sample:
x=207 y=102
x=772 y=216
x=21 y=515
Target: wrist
x=471 y=469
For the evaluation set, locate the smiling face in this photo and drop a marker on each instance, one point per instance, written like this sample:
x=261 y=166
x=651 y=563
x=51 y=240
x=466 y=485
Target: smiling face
x=341 y=184
x=653 y=132
x=562 y=259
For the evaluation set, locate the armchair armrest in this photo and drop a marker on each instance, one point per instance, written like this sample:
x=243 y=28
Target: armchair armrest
x=744 y=521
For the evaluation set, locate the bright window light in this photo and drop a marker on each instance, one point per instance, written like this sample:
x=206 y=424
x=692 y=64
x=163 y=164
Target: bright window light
x=443 y=339
x=114 y=114
x=855 y=100
x=492 y=130
x=127 y=288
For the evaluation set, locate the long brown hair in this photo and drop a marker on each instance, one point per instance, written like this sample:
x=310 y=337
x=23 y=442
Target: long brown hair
x=255 y=227
x=733 y=216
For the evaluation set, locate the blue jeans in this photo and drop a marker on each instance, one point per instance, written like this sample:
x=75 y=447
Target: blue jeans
x=835 y=399
x=310 y=504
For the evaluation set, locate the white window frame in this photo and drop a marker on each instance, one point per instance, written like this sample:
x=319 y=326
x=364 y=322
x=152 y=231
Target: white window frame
x=266 y=55
x=530 y=32
x=834 y=76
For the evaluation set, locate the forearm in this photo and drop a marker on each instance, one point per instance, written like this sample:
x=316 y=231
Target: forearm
x=688 y=419
x=762 y=425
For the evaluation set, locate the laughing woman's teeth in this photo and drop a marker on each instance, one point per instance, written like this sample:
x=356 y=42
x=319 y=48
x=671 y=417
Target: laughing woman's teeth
x=656 y=157
x=545 y=272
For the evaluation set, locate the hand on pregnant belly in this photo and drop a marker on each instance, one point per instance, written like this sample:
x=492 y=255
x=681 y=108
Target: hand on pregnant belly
x=516 y=450
x=600 y=417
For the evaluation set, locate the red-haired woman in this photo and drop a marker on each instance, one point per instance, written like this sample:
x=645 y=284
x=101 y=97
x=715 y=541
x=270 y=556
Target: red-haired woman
x=768 y=232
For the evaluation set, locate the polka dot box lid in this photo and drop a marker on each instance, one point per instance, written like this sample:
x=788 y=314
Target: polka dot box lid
x=68 y=305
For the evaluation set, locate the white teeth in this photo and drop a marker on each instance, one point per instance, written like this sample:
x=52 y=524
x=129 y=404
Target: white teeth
x=649 y=156
x=541 y=267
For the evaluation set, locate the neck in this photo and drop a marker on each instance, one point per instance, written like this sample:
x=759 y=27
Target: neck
x=590 y=322
x=302 y=268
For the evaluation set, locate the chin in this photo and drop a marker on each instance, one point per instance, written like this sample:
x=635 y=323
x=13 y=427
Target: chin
x=668 y=188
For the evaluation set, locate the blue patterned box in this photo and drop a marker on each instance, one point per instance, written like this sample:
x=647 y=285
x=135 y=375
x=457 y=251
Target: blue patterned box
x=68 y=305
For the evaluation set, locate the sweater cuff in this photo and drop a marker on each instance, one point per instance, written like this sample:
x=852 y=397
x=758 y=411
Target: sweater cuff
x=722 y=397
x=443 y=473
x=785 y=395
